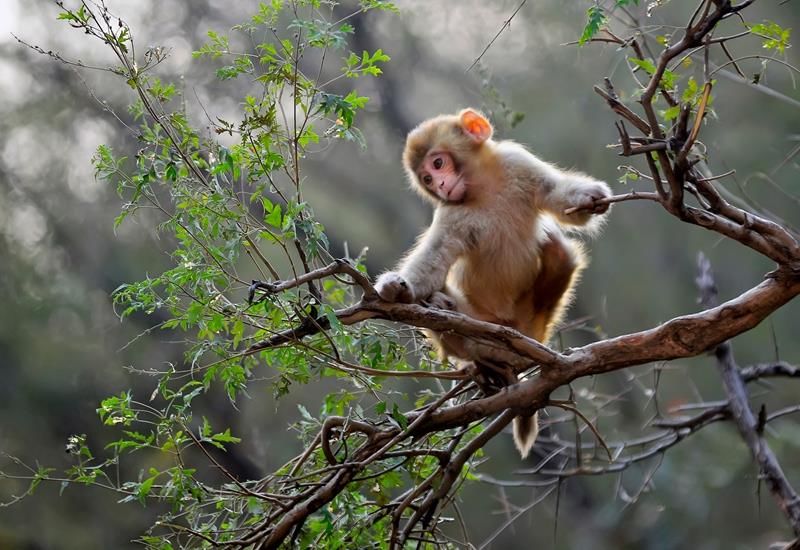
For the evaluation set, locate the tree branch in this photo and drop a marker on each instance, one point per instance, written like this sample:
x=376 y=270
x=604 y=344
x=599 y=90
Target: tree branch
x=739 y=407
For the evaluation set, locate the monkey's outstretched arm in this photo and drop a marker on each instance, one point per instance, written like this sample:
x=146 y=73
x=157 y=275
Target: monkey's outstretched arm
x=561 y=190
x=424 y=270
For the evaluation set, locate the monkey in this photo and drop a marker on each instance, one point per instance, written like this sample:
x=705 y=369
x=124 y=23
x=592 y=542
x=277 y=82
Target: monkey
x=497 y=248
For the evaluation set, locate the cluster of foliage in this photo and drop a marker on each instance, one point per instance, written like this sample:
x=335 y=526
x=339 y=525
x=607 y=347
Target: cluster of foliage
x=232 y=209
x=681 y=92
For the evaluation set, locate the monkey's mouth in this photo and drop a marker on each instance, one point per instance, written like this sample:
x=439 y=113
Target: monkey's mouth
x=457 y=191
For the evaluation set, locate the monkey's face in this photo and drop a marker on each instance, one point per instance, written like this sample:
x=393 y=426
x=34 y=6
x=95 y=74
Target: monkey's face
x=440 y=176
x=442 y=153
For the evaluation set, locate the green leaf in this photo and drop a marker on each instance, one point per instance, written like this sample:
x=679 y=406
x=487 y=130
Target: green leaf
x=596 y=18
x=690 y=92
x=274 y=217
x=671 y=113
x=384 y=5
x=668 y=78
x=308 y=136
x=399 y=417
x=205 y=429
x=144 y=488
x=171 y=172
x=333 y=320
x=645 y=64
x=237 y=331
x=775 y=37
x=225 y=437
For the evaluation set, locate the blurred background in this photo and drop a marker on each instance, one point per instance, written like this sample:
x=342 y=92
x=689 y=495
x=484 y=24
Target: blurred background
x=62 y=348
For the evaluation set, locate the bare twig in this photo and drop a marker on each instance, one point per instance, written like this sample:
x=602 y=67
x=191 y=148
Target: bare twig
x=632 y=196
x=574 y=410
x=618 y=107
x=755 y=372
x=740 y=411
x=453 y=470
x=340 y=266
x=505 y=25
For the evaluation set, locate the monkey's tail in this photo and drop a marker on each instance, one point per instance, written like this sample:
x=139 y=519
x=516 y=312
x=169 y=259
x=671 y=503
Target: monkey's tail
x=525 y=428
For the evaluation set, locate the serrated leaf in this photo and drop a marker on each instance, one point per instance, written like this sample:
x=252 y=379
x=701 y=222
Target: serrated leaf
x=671 y=113
x=399 y=417
x=596 y=18
x=225 y=437
x=274 y=217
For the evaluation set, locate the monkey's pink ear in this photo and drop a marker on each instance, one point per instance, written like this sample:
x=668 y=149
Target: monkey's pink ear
x=476 y=125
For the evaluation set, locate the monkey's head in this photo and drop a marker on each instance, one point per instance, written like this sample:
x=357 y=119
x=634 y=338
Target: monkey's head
x=442 y=152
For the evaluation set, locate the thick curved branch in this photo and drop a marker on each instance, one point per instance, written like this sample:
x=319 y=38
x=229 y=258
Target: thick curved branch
x=681 y=337
x=685 y=336
x=490 y=341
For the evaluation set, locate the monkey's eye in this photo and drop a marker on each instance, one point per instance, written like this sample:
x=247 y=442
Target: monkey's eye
x=427 y=179
x=438 y=162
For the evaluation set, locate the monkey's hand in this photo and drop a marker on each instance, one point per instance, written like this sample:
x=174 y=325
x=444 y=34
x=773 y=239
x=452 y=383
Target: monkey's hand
x=584 y=202
x=392 y=287
x=587 y=200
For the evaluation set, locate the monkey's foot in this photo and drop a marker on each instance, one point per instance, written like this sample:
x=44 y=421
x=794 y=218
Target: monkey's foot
x=441 y=300
x=490 y=378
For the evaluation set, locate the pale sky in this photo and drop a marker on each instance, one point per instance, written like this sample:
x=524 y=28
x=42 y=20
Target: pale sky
x=9 y=19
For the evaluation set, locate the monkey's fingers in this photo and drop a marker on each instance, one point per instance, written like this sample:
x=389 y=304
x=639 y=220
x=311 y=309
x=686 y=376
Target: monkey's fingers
x=594 y=205
x=393 y=288
x=600 y=206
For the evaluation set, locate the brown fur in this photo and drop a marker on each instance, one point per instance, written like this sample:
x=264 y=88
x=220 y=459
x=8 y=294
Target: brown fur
x=561 y=266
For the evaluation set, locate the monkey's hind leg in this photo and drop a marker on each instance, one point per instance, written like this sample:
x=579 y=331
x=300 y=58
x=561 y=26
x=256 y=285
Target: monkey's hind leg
x=450 y=344
x=562 y=261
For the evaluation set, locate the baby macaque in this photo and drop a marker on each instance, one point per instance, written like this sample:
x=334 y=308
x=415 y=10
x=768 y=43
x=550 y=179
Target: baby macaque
x=496 y=249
